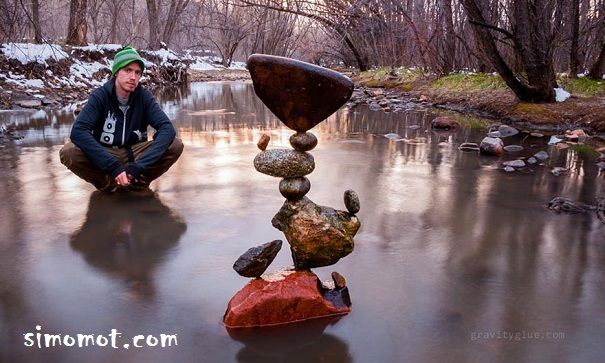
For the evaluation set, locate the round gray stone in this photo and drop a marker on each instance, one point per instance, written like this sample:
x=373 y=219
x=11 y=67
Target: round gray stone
x=352 y=201
x=294 y=188
x=513 y=148
x=284 y=163
x=303 y=141
x=506 y=131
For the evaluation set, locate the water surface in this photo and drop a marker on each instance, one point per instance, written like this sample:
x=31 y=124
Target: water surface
x=451 y=249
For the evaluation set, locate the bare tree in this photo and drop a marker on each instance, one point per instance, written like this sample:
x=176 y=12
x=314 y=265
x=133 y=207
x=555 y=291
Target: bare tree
x=162 y=31
x=531 y=38
x=77 y=27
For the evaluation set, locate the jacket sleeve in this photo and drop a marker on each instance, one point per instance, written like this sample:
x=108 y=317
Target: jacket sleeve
x=82 y=136
x=165 y=134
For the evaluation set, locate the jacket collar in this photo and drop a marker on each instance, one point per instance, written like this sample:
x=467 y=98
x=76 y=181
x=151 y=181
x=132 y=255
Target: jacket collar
x=110 y=88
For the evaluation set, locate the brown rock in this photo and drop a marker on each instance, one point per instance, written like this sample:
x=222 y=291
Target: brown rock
x=303 y=141
x=444 y=122
x=297 y=296
x=339 y=280
x=492 y=146
x=294 y=188
x=300 y=94
x=318 y=236
x=263 y=142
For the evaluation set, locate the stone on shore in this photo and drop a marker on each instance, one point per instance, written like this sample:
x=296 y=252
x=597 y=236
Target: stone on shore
x=256 y=260
x=514 y=163
x=294 y=188
x=541 y=155
x=303 y=141
x=33 y=103
x=296 y=296
x=492 y=146
x=468 y=147
x=445 y=123
x=318 y=236
x=506 y=131
x=284 y=163
x=300 y=94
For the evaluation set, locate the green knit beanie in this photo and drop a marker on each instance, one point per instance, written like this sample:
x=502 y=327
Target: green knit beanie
x=124 y=58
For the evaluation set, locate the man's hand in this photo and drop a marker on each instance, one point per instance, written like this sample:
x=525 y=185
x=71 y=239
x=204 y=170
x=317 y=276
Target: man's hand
x=122 y=179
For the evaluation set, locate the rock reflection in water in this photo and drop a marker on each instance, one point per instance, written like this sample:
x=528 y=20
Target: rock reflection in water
x=302 y=342
x=128 y=236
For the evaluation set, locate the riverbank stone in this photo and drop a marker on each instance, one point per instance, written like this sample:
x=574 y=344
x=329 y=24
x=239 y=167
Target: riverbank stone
x=255 y=261
x=444 y=122
x=515 y=164
x=303 y=141
x=300 y=94
x=513 y=148
x=284 y=163
x=318 y=236
x=492 y=146
x=541 y=155
x=468 y=147
x=294 y=188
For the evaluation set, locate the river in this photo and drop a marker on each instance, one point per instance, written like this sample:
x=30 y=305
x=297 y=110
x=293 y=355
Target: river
x=456 y=260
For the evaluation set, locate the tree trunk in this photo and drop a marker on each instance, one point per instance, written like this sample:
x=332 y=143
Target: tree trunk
x=574 y=60
x=152 y=16
x=597 y=71
x=449 y=37
x=531 y=43
x=36 y=21
x=76 y=30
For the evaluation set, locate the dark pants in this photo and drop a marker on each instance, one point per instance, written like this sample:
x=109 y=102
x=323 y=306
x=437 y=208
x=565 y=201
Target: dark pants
x=76 y=161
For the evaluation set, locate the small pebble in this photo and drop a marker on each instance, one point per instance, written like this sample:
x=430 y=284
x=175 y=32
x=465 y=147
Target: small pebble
x=263 y=142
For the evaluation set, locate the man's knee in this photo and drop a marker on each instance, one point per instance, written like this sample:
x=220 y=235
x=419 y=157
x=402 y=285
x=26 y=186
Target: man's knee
x=175 y=149
x=68 y=153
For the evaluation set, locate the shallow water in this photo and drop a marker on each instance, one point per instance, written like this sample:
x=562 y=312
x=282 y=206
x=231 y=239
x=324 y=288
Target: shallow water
x=456 y=260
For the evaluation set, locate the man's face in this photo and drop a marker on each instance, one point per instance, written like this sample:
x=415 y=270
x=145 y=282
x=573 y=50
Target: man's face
x=128 y=78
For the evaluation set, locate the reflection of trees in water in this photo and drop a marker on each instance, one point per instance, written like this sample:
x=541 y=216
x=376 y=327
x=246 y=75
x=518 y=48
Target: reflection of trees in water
x=14 y=309
x=127 y=236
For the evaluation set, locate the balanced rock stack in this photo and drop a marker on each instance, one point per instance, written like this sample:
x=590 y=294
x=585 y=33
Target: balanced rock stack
x=301 y=95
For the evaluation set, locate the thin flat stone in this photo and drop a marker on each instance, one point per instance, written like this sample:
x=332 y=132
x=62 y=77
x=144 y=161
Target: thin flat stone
x=300 y=94
x=284 y=163
x=303 y=141
x=468 y=146
x=256 y=260
x=514 y=163
x=532 y=160
x=513 y=148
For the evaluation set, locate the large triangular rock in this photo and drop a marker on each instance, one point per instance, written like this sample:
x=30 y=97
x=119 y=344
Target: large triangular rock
x=300 y=94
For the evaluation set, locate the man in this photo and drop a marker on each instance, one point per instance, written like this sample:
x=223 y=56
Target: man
x=109 y=146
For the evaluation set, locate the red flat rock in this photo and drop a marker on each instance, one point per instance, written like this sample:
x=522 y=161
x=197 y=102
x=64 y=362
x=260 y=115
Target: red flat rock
x=300 y=94
x=297 y=297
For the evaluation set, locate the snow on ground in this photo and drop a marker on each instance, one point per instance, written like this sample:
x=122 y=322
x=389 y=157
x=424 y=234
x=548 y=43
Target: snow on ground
x=100 y=47
x=561 y=94
x=26 y=53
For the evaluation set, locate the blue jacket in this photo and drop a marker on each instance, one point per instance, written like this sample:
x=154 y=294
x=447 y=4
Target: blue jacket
x=101 y=123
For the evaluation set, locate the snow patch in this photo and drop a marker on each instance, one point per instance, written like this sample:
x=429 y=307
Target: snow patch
x=26 y=53
x=278 y=275
x=100 y=47
x=561 y=94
